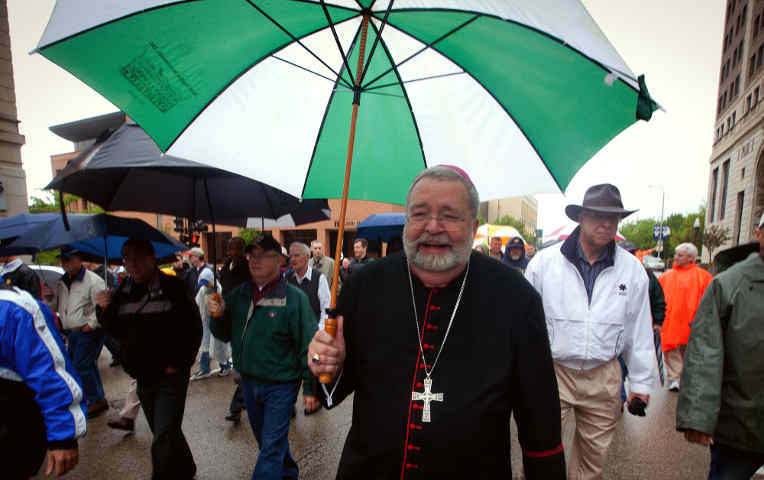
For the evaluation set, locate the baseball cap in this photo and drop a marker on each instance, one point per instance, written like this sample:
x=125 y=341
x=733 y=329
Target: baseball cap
x=515 y=242
x=68 y=253
x=265 y=242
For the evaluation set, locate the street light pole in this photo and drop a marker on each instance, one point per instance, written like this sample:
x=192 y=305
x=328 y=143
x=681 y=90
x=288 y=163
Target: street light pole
x=696 y=228
x=660 y=235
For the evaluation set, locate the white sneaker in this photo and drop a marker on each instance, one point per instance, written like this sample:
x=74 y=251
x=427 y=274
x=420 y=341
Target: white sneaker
x=673 y=386
x=200 y=375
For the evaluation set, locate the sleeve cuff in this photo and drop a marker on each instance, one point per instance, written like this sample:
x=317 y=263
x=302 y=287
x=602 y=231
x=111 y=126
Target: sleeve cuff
x=62 y=444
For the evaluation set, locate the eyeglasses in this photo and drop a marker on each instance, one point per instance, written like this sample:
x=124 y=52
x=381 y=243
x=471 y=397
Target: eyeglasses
x=448 y=222
x=254 y=257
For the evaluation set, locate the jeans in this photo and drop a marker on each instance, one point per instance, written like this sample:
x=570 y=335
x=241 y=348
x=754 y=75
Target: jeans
x=164 y=400
x=729 y=463
x=269 y=408
x=84 y=349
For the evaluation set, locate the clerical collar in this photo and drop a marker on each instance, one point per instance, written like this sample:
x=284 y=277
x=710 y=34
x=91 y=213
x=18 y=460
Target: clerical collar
x=454 y=284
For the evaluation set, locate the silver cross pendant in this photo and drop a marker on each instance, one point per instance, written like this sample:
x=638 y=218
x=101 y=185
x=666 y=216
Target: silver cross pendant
x=426 y=397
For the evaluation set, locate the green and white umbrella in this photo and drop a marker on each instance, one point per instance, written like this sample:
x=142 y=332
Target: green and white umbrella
x=518 y=93
x=293 y=93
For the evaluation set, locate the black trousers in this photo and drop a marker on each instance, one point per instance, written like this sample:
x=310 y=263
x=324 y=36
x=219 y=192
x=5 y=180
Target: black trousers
x=164 y=400
x=237 y=401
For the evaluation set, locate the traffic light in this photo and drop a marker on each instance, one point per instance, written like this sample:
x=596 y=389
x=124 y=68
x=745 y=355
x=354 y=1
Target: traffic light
x=194 y=240
x=178 y=224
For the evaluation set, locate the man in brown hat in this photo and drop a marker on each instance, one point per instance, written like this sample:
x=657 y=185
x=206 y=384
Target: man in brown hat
x=596 y=303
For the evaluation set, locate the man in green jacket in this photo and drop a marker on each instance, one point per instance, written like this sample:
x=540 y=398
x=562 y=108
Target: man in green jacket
x=269 y=324
x=721 y=402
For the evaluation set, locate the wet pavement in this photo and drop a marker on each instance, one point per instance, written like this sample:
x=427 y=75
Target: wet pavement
x=643 y=448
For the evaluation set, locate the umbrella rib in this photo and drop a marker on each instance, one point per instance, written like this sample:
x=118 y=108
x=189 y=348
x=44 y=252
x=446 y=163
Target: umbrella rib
x=414 y=80
x=297 y=40
x=405 y=96
x=426 y=47
x=303 y=68
x=376 y=41
x=323 y=123
x=337 y=40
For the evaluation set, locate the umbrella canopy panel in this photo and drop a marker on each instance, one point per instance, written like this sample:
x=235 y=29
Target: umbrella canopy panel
x=505 y=232
x=99 y=235
x=382 y=227
x=519 y=94
x=22 y=223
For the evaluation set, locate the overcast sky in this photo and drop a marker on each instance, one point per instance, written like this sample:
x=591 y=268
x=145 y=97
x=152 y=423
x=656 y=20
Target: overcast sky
x=677 y=45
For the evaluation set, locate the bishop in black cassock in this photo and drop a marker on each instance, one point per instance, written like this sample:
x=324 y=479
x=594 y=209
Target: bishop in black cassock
x=495 y=362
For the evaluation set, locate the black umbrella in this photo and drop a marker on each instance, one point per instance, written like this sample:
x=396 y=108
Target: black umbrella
x=658 y=354
x=125 y=170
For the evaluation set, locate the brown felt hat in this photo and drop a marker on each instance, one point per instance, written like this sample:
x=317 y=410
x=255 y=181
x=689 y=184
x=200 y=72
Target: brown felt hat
x=604 y=198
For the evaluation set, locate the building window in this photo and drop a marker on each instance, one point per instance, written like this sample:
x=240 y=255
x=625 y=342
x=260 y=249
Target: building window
x=739 y=217
x=752 y=66
x=742 y=171
x=725 y=184
x=740 y=52
x=756 y=26
x=747 y=104
x=715 y=184
x=755 y=97
x=734 y=116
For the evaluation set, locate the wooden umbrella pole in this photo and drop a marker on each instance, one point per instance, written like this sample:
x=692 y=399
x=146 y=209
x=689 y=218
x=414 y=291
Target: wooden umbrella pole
x=331 y=321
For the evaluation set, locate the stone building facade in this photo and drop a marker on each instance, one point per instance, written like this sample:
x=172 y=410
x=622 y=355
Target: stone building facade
x=735 y=199
x=13 y=186
x=523 y=208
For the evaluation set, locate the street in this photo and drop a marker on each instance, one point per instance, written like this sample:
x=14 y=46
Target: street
x=644 y=448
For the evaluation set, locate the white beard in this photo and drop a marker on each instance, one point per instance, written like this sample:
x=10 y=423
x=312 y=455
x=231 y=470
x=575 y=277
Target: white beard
x=430 y=262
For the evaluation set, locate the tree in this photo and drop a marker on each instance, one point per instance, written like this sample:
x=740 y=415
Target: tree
x=530 y=237
x=714 y=237
x=248 y=234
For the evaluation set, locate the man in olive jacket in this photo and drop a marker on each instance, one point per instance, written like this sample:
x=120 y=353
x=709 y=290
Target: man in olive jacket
x=722 y=396
x=269 y=324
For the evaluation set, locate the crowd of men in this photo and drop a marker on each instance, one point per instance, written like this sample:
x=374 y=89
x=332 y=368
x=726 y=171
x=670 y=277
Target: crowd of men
x=435 y=341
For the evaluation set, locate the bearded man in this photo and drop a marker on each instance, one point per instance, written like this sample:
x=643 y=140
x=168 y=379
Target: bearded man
x=441 y=346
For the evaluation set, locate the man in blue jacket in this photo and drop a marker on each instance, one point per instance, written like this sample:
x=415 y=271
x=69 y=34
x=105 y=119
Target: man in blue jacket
x=42 y=408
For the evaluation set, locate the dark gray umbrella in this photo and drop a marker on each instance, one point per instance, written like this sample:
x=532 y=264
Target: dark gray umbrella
x=125 y=170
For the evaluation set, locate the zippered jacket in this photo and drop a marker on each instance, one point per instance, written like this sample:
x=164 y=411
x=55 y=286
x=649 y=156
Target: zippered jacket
x=157 y=326
x=76 y=304
x=617 y=321
x=269 y=340
x=35 y=368
x=722 y=380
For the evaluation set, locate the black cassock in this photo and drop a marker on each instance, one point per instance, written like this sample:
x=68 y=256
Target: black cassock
x=496 y=361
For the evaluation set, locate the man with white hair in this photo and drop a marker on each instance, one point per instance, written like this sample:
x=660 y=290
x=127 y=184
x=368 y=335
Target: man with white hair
x=683 y=287
x=441 y=345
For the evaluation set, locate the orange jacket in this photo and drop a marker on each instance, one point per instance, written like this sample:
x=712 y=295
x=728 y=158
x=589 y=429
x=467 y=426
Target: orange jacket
x=683 y=288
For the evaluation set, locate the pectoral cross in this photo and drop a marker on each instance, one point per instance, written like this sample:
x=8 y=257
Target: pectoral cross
x=426 y=397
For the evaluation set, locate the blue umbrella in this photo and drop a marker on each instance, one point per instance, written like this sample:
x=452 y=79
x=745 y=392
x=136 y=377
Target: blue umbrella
x=100 y=235
x=22 y=223
x=382 y=227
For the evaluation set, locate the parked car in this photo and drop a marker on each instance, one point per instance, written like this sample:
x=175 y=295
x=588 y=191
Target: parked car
x=653 y=263
x=49 y=275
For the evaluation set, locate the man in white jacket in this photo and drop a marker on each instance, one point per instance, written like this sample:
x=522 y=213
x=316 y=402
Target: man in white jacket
x=596 y=304
x=76 y=307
